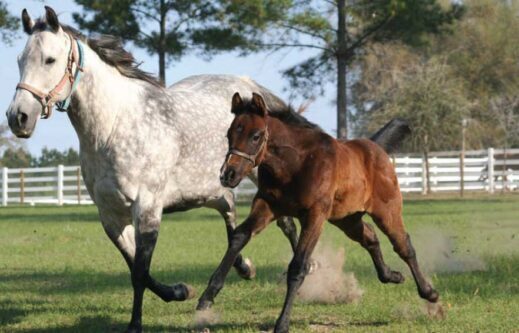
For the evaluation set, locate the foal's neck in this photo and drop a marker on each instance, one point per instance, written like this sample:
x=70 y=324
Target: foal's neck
x=287 y=148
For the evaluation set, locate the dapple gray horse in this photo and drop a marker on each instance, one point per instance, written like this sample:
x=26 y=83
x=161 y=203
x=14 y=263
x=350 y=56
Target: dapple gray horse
x=145 y=150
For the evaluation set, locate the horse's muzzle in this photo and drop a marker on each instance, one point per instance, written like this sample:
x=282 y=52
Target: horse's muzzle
x=20 y=124
x=229 y=178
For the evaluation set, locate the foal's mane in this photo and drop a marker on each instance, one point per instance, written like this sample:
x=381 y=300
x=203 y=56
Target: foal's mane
x=111 y=50
x=286 y=114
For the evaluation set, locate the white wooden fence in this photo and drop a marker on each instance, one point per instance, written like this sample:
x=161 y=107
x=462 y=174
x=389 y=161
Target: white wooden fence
x=483 y=170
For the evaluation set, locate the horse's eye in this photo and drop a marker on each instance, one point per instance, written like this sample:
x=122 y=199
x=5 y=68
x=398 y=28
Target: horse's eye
x=256 y=137
x=49 y=61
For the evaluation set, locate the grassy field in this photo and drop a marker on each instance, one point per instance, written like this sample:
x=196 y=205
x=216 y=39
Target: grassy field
x=60 y=273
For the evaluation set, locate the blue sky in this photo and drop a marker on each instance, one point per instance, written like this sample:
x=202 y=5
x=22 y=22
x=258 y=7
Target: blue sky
x=57 y=132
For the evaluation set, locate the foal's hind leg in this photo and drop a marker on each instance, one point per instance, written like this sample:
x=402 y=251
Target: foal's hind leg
x=391 y=223
x=225 y=205
x=363 y=233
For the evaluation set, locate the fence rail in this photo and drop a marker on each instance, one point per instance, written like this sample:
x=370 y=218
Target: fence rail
x=483 y=170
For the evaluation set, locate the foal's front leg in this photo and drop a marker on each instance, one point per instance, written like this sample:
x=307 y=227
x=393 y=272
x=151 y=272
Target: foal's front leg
x=311 y=228
x=261 y=215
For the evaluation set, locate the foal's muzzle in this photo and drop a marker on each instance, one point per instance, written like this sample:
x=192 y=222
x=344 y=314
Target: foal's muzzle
x=229 y=177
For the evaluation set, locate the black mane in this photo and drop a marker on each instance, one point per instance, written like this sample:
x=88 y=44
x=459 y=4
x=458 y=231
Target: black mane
x=287 y=115
x=111 y=50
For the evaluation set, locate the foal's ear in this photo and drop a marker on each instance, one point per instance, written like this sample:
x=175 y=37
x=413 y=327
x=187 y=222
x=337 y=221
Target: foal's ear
x=237 y=102
x=52 y=19
x=259 y=103
x=27 y=22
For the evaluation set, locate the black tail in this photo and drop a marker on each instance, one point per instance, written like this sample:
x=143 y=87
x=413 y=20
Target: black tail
x=392 y=134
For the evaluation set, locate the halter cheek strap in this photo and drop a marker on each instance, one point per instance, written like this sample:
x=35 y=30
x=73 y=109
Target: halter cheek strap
x=248 y=157
x=75 y=56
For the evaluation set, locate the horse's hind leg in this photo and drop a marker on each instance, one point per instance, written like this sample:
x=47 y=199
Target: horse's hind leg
x=391 y=223
x=363 y=233
x=225 y=205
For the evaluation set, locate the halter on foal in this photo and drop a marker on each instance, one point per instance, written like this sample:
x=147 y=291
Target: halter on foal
x=305 y=173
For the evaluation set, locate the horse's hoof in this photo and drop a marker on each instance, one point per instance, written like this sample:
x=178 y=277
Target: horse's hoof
x=190 y=292
x=249 y=272
x=133 y=329
x=203 y=305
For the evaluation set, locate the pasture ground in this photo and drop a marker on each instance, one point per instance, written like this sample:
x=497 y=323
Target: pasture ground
x=60 y=273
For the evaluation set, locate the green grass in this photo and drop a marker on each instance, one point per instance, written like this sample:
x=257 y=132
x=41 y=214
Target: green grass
x=60 y=273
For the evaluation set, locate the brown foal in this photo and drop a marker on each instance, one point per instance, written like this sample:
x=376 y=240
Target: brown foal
x=305 y=173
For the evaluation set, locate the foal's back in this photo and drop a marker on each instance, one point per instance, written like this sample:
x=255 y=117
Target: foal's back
x=365 y=177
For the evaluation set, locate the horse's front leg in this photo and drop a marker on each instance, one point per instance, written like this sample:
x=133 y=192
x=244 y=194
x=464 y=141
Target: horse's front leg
x=146 y=216
x=261 y=215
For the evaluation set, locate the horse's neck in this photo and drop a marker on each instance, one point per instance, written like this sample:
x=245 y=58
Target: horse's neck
x=102 y=96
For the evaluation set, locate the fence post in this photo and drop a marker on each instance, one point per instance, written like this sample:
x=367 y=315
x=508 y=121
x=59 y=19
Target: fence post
x=491 y=170
x=78 y=175
x=60 y=185
x=462 y=173
x=22 y=187
x=5 y=186
x=424 y=175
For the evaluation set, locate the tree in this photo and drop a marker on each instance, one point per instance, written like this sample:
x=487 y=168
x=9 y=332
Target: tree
x=54 y=157
x=173 y=28
x=308 y=25
x=8 y=24
x=399 y=82
x=16 y=158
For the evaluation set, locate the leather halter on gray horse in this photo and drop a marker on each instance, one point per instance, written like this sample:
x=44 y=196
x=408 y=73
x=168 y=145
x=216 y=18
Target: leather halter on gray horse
x=144 y=149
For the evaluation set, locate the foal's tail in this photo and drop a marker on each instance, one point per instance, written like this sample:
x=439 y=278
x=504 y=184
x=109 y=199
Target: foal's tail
x=392 y=134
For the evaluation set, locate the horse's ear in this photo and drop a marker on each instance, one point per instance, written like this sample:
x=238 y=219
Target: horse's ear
x=259 y=103
x=52 y=19
x=237 y=102
x=27 y=22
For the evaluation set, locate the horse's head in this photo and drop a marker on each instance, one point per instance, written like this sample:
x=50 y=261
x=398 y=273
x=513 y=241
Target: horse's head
x=45 y=72
x=248 y=136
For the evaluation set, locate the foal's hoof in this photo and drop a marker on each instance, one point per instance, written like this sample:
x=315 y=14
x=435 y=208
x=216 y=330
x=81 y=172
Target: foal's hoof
x=431 y=295
x=247 y=270
x=312 y=266
x=203 y=305
x=396 y=277
x=182 y=292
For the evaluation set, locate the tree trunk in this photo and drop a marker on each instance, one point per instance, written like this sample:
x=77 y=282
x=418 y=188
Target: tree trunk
x=342 y=64
x=161 y=50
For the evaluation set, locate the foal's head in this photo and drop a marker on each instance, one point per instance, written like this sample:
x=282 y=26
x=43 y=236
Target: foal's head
x=248 y=136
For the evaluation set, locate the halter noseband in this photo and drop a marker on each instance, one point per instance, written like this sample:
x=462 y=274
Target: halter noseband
x=248 y=157
x=75 y=56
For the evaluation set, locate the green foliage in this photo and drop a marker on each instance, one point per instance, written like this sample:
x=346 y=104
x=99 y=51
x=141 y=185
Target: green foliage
x=16 y=158
x=174 y=28
x=478 y=61
x=311 y=24
x=8 y=24
x=54 y=157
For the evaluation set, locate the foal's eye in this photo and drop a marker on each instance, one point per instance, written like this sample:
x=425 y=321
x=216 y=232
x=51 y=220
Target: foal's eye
x=256 y=137
x=49 y=61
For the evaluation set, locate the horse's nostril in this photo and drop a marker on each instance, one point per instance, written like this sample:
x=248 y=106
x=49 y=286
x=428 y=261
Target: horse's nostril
x=21 y=118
